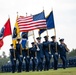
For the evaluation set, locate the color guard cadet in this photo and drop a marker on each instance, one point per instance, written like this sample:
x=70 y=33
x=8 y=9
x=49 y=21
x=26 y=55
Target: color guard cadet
x=33 y=55
x=54 y=51
x=19 y=54
x=12 y=58
x=25 y=52
x=40 y=55
x=46 y=53
x=63 y=49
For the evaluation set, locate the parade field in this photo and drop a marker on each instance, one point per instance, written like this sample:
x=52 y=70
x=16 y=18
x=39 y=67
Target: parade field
x=68 y=71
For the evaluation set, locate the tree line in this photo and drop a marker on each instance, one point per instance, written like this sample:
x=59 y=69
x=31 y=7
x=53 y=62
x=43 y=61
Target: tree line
x=4 y=59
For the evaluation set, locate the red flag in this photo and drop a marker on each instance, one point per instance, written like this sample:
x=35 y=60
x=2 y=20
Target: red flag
x=5 y=31
x=1 y=43
x=7 y=28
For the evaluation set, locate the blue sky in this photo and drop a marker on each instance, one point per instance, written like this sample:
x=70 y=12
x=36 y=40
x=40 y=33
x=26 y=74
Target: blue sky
x=64 y=17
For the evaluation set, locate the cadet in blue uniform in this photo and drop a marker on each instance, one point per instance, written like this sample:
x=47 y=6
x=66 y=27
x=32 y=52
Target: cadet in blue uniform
x=54 y=51
x=40 y=55
x=25 y=50
x=25 y=54
x=46 y=53
x=63 y=49
x=19 y=54
x=33 y=56
x=12 y=58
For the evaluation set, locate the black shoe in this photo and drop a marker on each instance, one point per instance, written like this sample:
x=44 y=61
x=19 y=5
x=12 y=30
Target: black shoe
x=13 y=71
x=55 y=68
x=64 y=68
x=40 y=70
x=27 y=70
x=19 y=71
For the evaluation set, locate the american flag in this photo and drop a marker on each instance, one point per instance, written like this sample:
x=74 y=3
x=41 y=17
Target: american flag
x=32 y=22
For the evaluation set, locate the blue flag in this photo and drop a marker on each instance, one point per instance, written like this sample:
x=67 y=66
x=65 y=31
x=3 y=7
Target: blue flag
x=14 y=37
x=24 y=36
x=24 y=42
x=39 y=16
x=14 y=33
x=49 y=22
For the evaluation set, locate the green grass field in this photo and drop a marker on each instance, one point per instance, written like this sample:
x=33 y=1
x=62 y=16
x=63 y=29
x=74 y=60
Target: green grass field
x=68 y=71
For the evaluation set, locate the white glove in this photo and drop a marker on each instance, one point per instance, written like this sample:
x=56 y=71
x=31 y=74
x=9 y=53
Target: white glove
x=21 y=56
x=14 y=58
x=52 y=56
x=56 y=53
x=24 y=57
x=27 y=56
x=31 y=57
x=59 y=55
x=38 y=49
x=35 y=57
x=49 y=52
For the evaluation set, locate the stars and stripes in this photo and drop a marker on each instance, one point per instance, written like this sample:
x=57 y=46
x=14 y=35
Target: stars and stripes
x=31 y=22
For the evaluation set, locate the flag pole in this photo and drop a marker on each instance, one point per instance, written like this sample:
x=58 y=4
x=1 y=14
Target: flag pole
x=47 y=33
x=34 y=42
x=27 y=41
x=12 y=39
x=26 y=14
x=38 y=33
x=56 y=39
x=55 y=35
x=54 y=31
x=18 y=32
x=8 y=17
x=34 y=36
x=49 y=44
